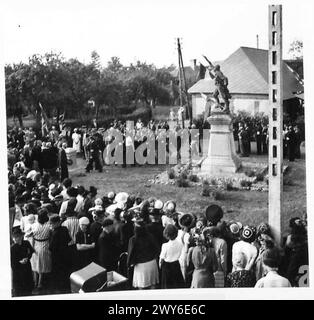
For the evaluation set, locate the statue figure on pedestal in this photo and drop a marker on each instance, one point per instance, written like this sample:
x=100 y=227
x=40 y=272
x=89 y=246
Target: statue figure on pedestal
x=221 y=83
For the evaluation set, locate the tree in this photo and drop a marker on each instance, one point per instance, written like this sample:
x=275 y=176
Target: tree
x=114 y=66
x=96 y=60
x=14 y=97
x=296 y=49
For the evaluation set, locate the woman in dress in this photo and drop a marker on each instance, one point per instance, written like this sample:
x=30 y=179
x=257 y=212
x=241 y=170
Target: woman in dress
x=204 y=259
x=213 y=235
x=30 y=212
x=142 y=255
x=171 y=275
x=186 y=221
x=41 y=260
x=21 y=253
x=240 y=277
x=76 y=139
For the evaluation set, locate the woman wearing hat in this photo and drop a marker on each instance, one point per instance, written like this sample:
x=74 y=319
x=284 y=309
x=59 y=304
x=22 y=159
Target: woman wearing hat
x=142 y=255
x=186 y=222
x=41 y=260
x=21 y=253
x=220 y=247
x=240 y=277
x=170 y=216
x=30 y=216
x=246 y=246
x=204 y=260
x=263 y=242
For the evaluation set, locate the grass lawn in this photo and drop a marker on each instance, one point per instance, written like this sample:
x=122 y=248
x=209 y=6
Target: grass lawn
x=248 y=207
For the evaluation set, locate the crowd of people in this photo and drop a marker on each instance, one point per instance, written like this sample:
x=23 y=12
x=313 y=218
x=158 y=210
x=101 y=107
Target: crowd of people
x=58 y=228
x=292 y=139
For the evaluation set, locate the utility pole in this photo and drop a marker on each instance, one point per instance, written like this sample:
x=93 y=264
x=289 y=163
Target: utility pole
x=275 y=96
x=179 y=74
x=181 y=67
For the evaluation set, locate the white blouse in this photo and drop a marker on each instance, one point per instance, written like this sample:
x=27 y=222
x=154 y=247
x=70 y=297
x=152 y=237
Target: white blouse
x=171 y=250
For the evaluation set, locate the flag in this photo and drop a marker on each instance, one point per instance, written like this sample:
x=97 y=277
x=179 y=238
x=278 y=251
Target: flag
x=61 y=117
x=62 y=122
x=44 y=121
x=201 y=73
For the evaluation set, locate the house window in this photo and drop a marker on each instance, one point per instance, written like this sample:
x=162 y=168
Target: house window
x=256 y=107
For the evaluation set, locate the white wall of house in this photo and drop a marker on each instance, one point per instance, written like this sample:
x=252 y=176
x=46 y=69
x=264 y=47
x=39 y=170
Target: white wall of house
x=251 y=104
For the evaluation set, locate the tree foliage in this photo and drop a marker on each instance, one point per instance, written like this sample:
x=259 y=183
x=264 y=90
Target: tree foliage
x=296 y=49
x=62 y=85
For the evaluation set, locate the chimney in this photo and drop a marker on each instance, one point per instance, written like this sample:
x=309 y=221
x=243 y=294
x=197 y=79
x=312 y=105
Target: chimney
x=257 y=42
x=193 y=64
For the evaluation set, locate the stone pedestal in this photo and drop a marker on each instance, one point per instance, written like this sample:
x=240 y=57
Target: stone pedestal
x=222 y=157
x=71 y=156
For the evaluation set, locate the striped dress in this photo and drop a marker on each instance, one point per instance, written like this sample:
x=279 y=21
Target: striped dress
x=41 y=259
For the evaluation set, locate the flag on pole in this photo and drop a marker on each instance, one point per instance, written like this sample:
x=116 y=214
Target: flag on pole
x=61 y=121
x=44 y=121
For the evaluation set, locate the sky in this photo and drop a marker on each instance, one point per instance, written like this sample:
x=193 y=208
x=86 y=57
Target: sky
x=141 y=30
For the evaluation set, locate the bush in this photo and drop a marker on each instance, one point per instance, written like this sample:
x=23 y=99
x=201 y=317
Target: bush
x=250 y=173
x=182 y=183
x=193 y=177
x=211 y=192
x=245 y=183
x=171 y=174
x=259 y=177
x=213 y=182
x=229 y=186
x=205 y=183
x=183 y=175
x=206 y=190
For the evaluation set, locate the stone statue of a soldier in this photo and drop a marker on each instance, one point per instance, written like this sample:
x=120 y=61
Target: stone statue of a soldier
x=221 y=83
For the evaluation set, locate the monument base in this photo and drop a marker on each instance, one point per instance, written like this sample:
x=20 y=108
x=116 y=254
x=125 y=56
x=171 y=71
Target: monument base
x=222 y=158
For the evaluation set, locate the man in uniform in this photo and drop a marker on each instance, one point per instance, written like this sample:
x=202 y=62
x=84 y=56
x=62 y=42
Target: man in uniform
x=258 y=137
x=265 y=139
x=94 y=150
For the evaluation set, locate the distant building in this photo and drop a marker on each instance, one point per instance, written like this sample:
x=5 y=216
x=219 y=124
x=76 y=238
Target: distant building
x=247 y=72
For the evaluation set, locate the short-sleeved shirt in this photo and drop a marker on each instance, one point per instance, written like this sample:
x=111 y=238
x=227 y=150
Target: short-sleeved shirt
x=272 y=280
x=171 y=250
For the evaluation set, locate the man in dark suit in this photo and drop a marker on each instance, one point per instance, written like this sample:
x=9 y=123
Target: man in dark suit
x=63 y=162
x=108 y=249
x=60 y=257
x=155 y=227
